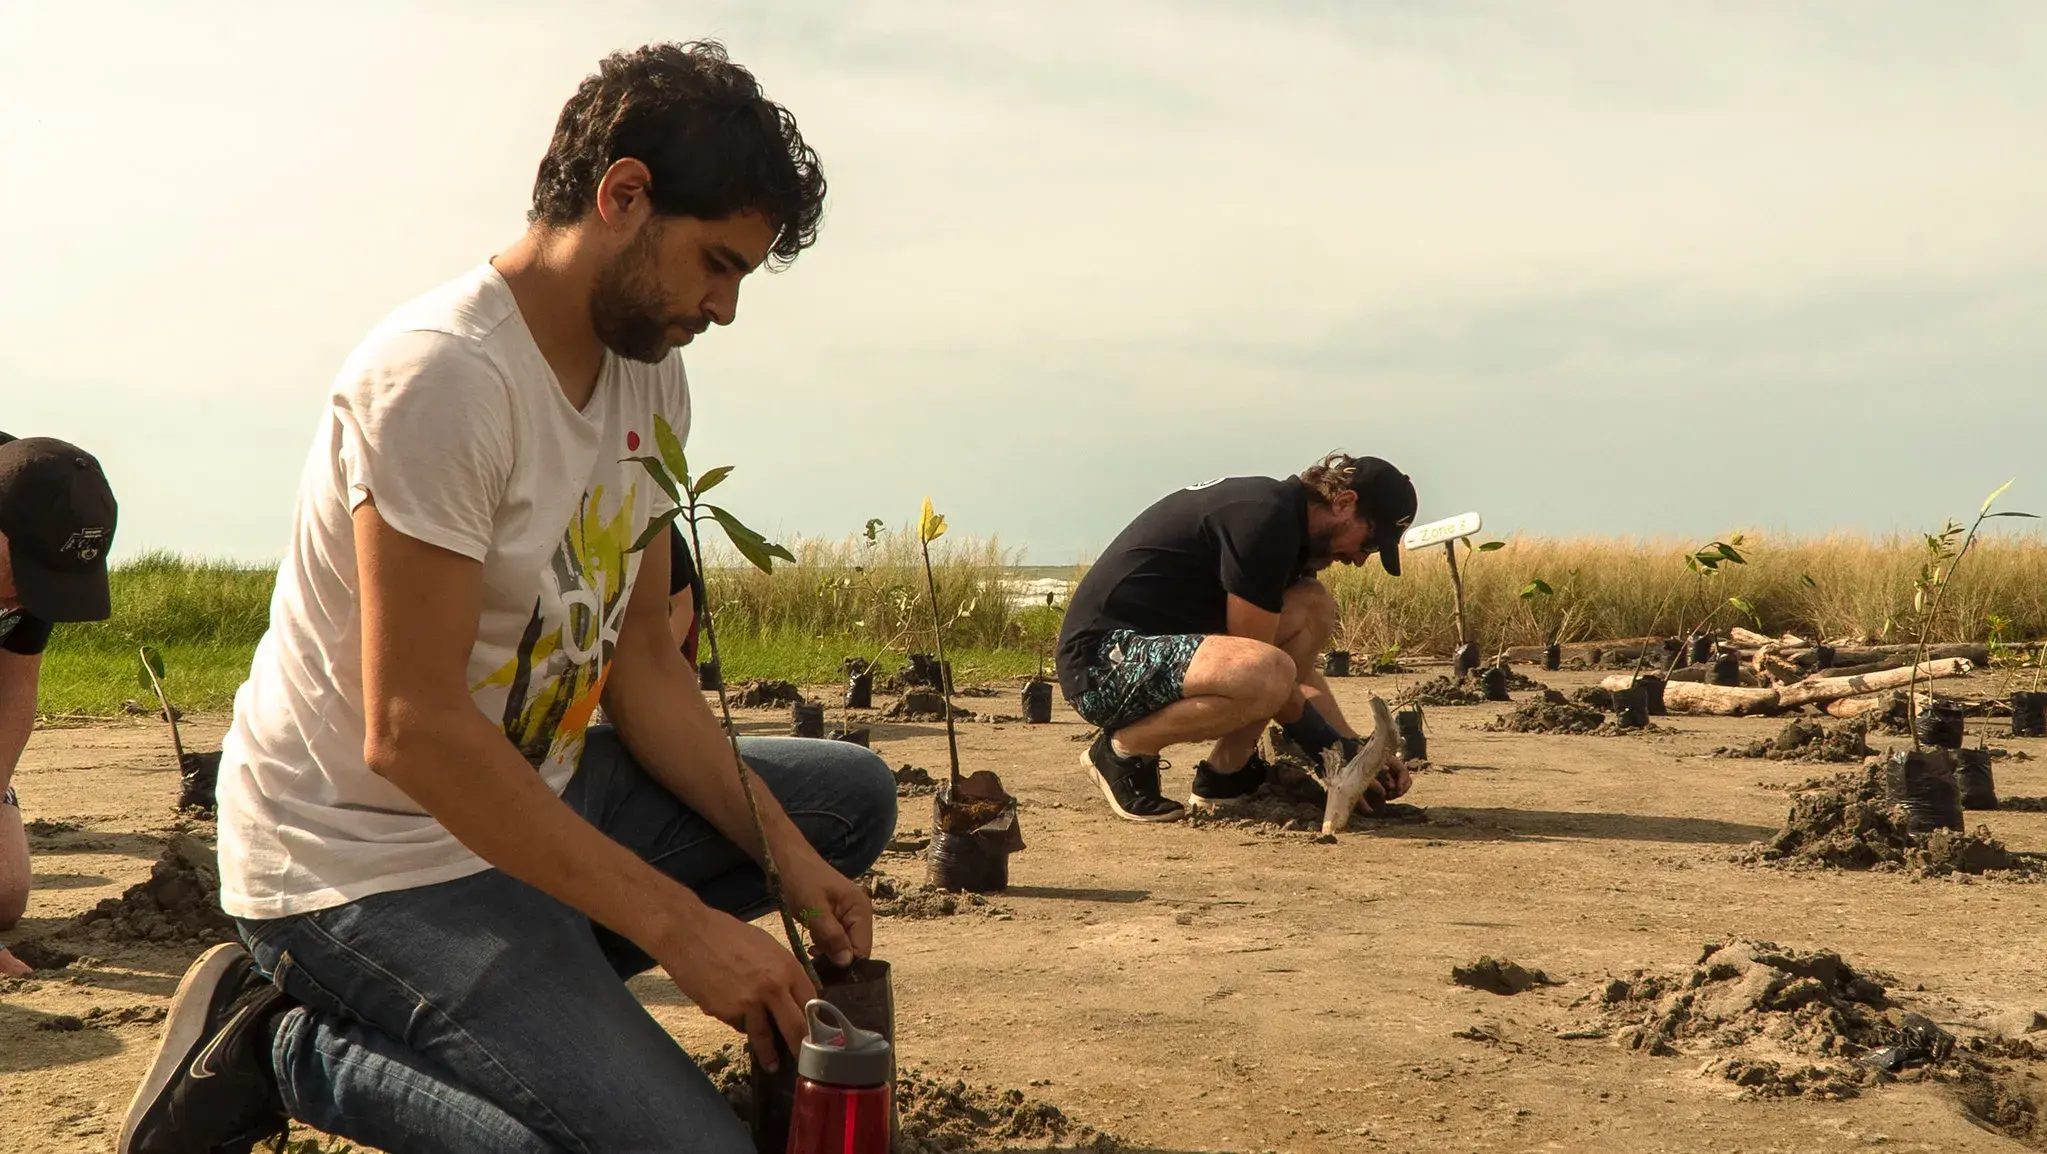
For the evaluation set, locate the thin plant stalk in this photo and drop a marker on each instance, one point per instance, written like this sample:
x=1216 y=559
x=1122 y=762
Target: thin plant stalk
x=1946 y=577
x=952 y=746
x=769 y=869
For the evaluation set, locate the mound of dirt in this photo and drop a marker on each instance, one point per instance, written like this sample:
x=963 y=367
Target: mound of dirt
x=1517 y=683
x=894 y=899
x=1291 y=801
x=914 y=782
x=1499 y=976
x=1444 y=691
x=924 y=705
x=766 y=694
x=2023 y=804
x=1807 y=741
x=1550 y=713
x=179 y=903
x=943 y=1117
x=1849 y=822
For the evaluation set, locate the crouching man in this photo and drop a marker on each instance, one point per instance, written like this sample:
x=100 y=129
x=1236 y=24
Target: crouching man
x=442 y=872
x=1203 y=621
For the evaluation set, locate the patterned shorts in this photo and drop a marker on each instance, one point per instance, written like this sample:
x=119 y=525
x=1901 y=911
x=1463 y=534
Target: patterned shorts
x=1134 y=676
x=8 y=798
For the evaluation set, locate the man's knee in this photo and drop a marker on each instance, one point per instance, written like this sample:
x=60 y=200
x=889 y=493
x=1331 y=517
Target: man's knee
x=867 y=797
x=1269 y=681
x=1308 y=614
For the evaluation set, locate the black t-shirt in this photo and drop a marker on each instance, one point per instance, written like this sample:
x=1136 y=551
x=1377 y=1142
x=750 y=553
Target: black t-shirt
x=682 y=571
x=1172 y=570
x=20 y=633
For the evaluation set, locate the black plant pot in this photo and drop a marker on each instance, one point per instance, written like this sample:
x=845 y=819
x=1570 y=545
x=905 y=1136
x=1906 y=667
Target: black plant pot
x=709 y=676
x=1924 y=781
x=1631 y=706
x=1414 y=741
x=1974 y=781
x=1700 y=650
x=1037 y=702
x=1822 y=657
x=1336 y=663
x=1492 y=683
x=1727 y=670
x=862 y=737
x=1652 y=694
x=806 y=719
x=1940 y=725
x=2028 y=714
x=860 y=691
x=1552 y=657
x=1465 y=659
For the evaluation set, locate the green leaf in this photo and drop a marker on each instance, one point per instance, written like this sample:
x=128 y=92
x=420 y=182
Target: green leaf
x=2034 y=516
x=1998 y=492
x=758 y=550
x=671 y=450
x=875 y=528
x=1747 y=608
x=655 y=528
x=659 y=472
x=1806 y=580
x=1536 y=588
x=709 y=481
x=148 y=661
x=1727 y=553
x=1489 y=546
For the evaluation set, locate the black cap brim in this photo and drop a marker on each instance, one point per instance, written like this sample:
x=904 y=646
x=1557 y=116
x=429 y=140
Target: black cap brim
x=1389 y=556
x=62 y=595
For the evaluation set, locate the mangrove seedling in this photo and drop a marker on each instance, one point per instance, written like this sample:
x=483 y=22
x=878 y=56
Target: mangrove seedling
x=930 y=527
x=670 y=470
x=150 y=676
x=1944 y=553
x=1705 y=564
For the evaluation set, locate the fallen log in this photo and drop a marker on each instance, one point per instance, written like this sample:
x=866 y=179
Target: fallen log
x=1816 y=690
x=1863 y=706
x=1701 y=697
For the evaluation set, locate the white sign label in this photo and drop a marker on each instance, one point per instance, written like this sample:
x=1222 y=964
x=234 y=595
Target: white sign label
x=1437 y=532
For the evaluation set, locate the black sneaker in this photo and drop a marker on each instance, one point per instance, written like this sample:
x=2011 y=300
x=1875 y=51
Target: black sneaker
x=1131 y=784
x=1212 y=788
x=210 y=1089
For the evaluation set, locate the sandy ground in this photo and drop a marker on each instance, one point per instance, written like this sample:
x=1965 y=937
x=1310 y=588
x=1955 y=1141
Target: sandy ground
x=1219 y=988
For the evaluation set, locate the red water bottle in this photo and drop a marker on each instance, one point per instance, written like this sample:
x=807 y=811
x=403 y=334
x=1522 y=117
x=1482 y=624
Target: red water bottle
x=845 y=1087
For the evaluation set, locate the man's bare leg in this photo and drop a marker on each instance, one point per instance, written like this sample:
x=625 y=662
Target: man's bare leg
x=1307 y=621
x=1232 y=683
x=14 y=870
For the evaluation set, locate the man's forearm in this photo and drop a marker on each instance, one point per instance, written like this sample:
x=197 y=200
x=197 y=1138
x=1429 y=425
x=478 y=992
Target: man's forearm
x=463 y=771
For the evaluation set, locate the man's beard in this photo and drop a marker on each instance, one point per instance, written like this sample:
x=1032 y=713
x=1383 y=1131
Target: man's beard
x=1321 y=551
x=627 y=309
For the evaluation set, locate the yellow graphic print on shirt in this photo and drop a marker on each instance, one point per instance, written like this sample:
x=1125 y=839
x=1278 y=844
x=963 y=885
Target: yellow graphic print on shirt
x=556 y=676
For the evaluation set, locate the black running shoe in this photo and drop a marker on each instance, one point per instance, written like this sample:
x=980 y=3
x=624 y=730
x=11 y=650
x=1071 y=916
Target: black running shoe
x=210 y=1089
x=1212 y=788
x=1131 y=784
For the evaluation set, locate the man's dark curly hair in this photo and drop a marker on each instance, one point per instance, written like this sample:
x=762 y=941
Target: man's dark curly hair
x=714 y=144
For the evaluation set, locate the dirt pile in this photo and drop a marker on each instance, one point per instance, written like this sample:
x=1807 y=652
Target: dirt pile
x=943 y=1117
x=1849 y=822
x=1807 y=741
x=897 y=899
x=914 y=782
x=1443 y=691
x=1550 y=713
x=1518 y=683
x=180 y=902
x=1500 y=976
x=1291 y=800
x=924 y=705
x=766 y=694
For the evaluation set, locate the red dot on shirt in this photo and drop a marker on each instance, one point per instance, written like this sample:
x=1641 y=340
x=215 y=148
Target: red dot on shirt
x=632 y=441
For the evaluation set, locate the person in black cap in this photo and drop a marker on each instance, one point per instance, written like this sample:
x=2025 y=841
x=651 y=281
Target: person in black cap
x=56 y=523
x=1203 y=621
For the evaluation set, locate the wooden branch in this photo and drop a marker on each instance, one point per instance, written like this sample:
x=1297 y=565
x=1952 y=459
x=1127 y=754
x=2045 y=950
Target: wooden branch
x=1700 y=697
x=1860 y=706
x=1817 y=690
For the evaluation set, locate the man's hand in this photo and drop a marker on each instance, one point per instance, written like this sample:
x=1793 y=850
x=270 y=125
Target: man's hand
x=836 y=910
x=742 y=976
x=1393 y=780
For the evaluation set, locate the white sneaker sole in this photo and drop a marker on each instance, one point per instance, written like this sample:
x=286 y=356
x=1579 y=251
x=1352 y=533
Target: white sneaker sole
x=1109 y=795
x=182 y=1034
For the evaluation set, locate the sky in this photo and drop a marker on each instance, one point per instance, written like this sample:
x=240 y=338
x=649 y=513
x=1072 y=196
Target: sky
x=1645 y=269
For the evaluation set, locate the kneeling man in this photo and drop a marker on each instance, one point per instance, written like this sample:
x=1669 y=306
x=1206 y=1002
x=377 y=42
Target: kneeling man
x=1203 y=621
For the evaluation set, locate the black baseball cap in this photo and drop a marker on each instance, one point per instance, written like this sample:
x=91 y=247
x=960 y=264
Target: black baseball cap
x=58 y=514
x=1386 y=499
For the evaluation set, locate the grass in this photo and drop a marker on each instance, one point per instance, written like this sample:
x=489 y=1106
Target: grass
x=848 y=598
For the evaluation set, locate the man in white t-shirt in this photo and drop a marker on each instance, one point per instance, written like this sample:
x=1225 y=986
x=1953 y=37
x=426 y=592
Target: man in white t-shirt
x=442 y=871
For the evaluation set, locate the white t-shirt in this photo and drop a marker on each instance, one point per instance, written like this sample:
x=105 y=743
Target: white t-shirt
x=450 y=417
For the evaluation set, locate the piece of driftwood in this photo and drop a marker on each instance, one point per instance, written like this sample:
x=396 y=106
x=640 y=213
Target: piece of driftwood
x=1701 y=697
x=1861 y=706
x=1817 y=690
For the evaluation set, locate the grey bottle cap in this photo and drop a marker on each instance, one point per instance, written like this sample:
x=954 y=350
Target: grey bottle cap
x=839 y=1054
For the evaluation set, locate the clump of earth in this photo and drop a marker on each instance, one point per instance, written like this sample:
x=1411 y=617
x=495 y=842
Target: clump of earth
x=939 y=1117
x=1849 y=822
x=1500 y=976
x=924 y=705
x=178 y=904
x=1807 y=741
x=912 y=781
x=1444 y=690
x=766 y=694
x=1291 y=800
x=1519 y=683
x=1554 y=713
x=895 y=899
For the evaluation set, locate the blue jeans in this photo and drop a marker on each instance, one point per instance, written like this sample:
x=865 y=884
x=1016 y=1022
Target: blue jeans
x=482 y=1015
